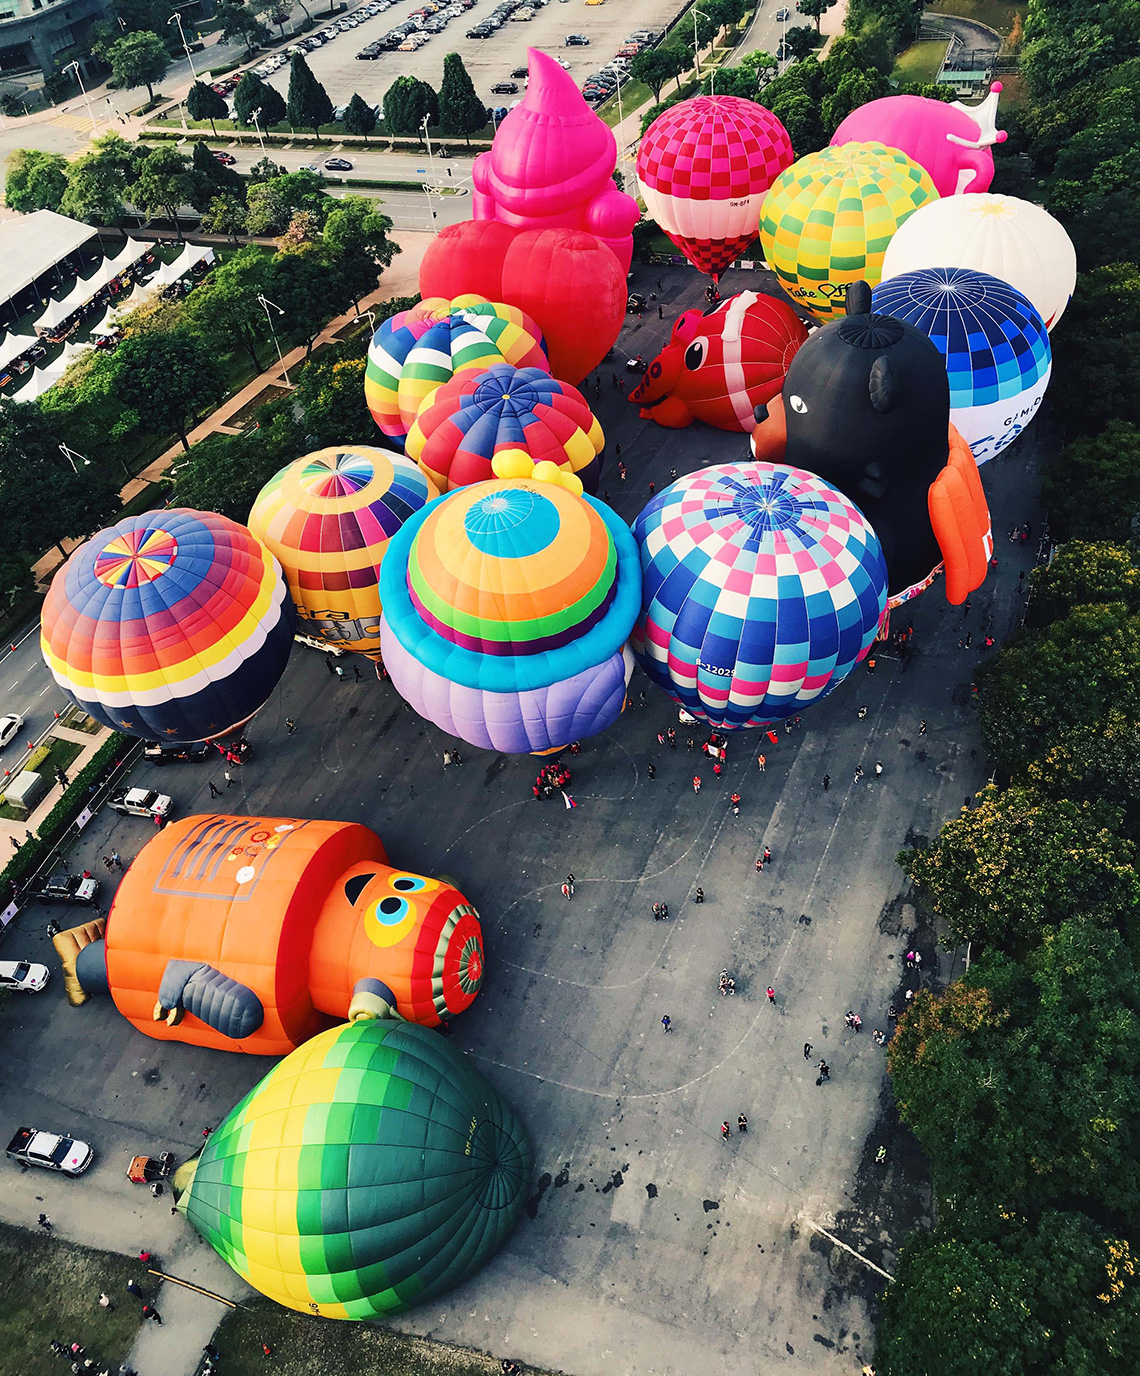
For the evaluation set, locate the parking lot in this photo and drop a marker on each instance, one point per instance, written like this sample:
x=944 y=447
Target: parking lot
x=489 y=60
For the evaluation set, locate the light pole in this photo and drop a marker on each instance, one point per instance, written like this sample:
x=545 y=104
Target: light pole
x=86 y=98
x=177 y=18
x=370 y=316
x=265 y=305
x=257 y=126
x=696 y=44
x=431 y=155
x=71 y=455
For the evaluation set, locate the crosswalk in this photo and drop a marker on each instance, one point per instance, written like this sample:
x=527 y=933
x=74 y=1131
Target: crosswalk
x=80 y=121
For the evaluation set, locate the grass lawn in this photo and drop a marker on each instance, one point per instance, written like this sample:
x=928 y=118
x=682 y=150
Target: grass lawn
x=60 y=755
x=304 y=1346
x=998 y=14
x=921 y=61
x=51 y=1291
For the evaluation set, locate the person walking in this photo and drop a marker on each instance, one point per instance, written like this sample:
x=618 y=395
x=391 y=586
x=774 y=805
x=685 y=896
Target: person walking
x=969 y=639
x=698 y=895
x=340 y=672
x=330 y=663
x=150 y=1312
x=858 y=772
x=652 y=488
x=44 y=1222
x=651 y=770
x=355 y=671
x=671 y=737
x=696 y=783
x=734 y=803
x=660 y=312
x=661 y=738
x=878 y=769
x=807 y=1051
x=741 y=1123
x=771 y=994
x=826 y=782
x=759 y=864
x=229 y=778
x=621 y=471
x=871 y=664
x=447 y=759
x=107 y=864
x=666 y=1022
x=922 y=728
x=824 y=1072
x=862 y=713
x=134 y=1289
x=105 y=1301
x=290 y=725
x=761 y=762
x=725 y=1131
x=767 y=855
x=567 y=891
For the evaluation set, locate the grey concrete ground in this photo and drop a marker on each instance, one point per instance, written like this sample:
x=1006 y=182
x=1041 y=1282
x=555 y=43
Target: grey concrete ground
x=649 y=1246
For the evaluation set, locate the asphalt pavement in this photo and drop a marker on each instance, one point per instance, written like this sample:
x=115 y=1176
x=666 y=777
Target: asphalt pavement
x=648 y=1246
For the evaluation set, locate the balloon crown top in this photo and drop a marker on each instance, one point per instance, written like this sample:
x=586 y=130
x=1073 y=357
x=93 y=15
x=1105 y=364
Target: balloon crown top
x=985 y=117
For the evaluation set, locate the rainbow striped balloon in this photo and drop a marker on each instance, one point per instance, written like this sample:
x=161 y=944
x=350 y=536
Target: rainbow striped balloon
x=507 y=606
x=328 y=518
x=827 y=220
x=171 y=625
x=416 y=351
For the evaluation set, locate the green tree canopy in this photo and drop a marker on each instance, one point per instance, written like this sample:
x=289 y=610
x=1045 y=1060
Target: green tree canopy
x=1096 y=351
x=273 y=203
x=167 y=379
x=800 y=41
x=1104 y=469
x=305 y=289
x=406 y=103
x=216 y=177
x=98 y=181
x=359 y=117
x=248 y=95
x=273 y=111
x=226 y=472
x=224 y=311
x=203 y=102
x=815 y=9
x=35 y=180
x=656 y=66
x=240 y=25
x=1082 y=573
x=331 y=393
x=226 y=214
x=309 y=105
x=138 y=59
x=461 y=111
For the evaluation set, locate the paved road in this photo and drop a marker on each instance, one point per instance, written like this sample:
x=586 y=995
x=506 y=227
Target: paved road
x=649 y=1246
x=27 y=687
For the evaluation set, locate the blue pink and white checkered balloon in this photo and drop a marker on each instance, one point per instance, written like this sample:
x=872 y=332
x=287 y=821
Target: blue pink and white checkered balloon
x=763 y=588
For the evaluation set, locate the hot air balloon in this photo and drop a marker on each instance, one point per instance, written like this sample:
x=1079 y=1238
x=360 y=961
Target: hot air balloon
x=415 y=351
x=477 y=415
x=551 y=165
x=507 y=606
x=952 y=141
x=764 y=587
x=569 y=283
x=254 y=933
x=828 y=219
x=173 y=625
x=371 y=1170
x=703 y=168
x=994 y=344
x=328 y=518
x=1009 y=238
x=717 y=367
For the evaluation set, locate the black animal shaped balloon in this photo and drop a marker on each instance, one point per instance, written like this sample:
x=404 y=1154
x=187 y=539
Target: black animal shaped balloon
x=866 y=405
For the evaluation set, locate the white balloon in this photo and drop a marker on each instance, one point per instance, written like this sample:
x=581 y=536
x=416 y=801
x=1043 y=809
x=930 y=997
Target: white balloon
x=1003 y=235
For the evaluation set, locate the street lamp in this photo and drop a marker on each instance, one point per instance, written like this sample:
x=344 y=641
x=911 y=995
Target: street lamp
x=177 y=18
x=696 y=44
x=70 y=455
x=370 y=316
x=431 y=155
x=265 y=305
x=86 y=98
x=257 y=126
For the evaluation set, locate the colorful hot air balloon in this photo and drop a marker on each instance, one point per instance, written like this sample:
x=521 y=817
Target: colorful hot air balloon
x=828 y=219
x=994 y=343
x=764 y=587
x=371 y=1170
x=255 y=933
x=328 y=518
x=507 y=606
x=719 y=366
x=173 y=625
x=1009 y=238
x=703 y=168
x=414 y=352
x=476 y=415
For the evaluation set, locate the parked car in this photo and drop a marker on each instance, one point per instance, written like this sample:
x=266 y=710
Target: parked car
x=176 y=752
x=69 y=888
x=23 y=976
x=519 y=72
x=9 y=726
x=52 y=1151
x=369 y=54
x=141 y=802
x=505 y=88
x=227 y=158
x=480 y=31
x=338 y=165
x=576 y=40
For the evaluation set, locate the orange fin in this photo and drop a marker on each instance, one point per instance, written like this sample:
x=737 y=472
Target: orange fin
x=960 y=516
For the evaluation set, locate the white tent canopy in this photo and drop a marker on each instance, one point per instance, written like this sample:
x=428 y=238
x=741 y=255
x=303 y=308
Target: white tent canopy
x=106 y=325
x=135 y=298
x=55 y=314
x=41 y=381
x=33 y=244
x=190 y=255
x=130 y=253
x=13 y=345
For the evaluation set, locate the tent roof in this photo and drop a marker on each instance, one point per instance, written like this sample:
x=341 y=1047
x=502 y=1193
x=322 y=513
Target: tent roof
x=32 y=244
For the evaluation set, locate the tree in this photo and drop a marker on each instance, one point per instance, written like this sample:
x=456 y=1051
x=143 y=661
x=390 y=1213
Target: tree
x=727 y=12
x=248 y=95
x=265 y=169
x=407 y=102
x=35 y=180
x=359 y=117
x=1019 y=863
x=1082 y=573
x=273 y=109
x=1105 y=470
x=167 y=379
x=272 y=204
x=241 y=25
x=273 y=12
x=461 y=111
x=356 y=237
x=800 y=42
x=226 y=214
x=98 y=181
x=166 y=181
x=330 y=392
x=1096 y=351
x=139 y=59
x=656 y=66
x=300 y=284
x=203 y=102
x=225 y=473
x=309 y=105
x=224 y=311
x=815 y=9
x=215 y=176
x=1102 y=765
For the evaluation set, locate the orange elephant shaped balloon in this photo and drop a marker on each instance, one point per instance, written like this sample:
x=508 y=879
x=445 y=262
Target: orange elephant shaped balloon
x=255 y=933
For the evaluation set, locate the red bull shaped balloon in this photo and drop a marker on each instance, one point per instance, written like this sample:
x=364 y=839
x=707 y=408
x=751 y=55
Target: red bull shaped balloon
x=719 y=366
x=703 y=168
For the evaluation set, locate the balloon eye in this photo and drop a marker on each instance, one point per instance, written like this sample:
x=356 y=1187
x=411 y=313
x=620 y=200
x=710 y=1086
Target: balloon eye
x=390 y=910
x=695 y=355
x=655 y=370
x=408 y=883
x=798 y=405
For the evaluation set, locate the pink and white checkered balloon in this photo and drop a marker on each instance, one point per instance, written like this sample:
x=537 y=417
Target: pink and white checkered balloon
x=704 y=167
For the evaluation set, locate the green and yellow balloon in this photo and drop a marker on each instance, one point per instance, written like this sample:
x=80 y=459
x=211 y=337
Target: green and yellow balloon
x=372 y=1169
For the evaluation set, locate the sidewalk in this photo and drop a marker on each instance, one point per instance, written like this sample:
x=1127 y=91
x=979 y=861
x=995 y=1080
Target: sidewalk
x=11 y=831
x=401 y=279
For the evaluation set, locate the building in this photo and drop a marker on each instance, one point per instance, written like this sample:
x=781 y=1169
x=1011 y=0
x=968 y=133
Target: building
x=46 y=34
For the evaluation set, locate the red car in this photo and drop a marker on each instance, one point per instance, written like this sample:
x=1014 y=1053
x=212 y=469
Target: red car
x=227 y=158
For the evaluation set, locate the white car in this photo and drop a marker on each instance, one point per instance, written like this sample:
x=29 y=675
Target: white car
x=141 y=802
x=23 y=976
x=9 y=726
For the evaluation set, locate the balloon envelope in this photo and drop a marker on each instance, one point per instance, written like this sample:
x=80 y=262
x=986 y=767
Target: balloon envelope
x=328 y=518
x=703 y=168
x=507 y=606
x=477 y=415
x=415 y=351
x=994 y=342
x=173 y=625
x=1009 y=238
x=763 y=589
x=372 y=1169
x=828 y=219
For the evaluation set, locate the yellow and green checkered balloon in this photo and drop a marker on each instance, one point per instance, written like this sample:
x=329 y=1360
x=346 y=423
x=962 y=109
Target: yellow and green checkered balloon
x=827 y=220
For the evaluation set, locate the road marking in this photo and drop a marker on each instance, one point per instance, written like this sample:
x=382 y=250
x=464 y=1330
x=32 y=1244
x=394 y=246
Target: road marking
x=43 y=691
x=13 y=685
x=857 y=1255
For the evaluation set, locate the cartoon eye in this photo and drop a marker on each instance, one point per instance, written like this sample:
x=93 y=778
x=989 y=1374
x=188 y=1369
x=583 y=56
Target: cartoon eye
x=798 y=405
x=408 y=883
x=389 y=911
x=695 y=354
x=655 y=370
